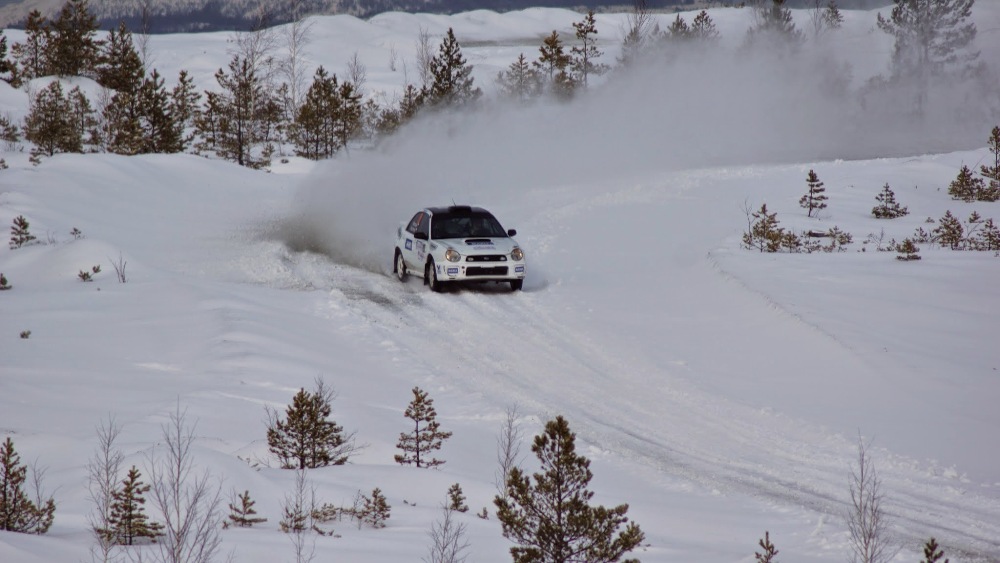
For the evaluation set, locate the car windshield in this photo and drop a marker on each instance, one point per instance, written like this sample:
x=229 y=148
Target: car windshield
x=466 y=225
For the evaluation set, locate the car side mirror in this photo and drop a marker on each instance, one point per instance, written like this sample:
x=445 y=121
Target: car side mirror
x=420 y=235
x=511 y=232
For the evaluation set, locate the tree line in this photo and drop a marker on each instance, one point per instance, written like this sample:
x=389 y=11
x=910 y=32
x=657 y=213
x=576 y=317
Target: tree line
x=264 y=102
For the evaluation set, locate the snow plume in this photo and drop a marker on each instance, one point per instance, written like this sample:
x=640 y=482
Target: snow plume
x=723 y=106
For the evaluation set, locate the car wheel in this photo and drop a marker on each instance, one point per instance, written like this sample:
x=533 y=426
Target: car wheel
x=516 y=285
x=432 y=278
x=400 y=268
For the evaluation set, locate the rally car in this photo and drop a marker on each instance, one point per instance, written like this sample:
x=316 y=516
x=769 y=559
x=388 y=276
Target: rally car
x=457 y=244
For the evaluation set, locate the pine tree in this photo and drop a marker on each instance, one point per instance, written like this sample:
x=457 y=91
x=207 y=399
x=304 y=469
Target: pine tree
x=764 y=233
x=814 y=198
x=348 y=121
x=74 y=48
x=931 y=36
x=988 y=237
x=184 y=99
x=887 y=207
x=315 y=130
x=949 y=231
x=907 y=251
x=242 y=514
x=775 y=26
x=4 y=285
x=679 y=29
x=552 y=65
x=160 y=131
x=992 y=173
x=966 y=187
x=17 y=512
x=82 y=115
x=456 y=499
x=375 y=510
x=703 y=28
x=519 y=81
x=452 y=81
x=119 y=67
x=235 y=120
x=769 y=552
x=31 y=57
x=122 y=119
x=832 y=17
x=127 y=521
x=583 y=61
x=551 y=519
x=931 y=552
x=19 y=233
x=8 y=70
x=426 y=436
x=49 y=124
x=305 y=439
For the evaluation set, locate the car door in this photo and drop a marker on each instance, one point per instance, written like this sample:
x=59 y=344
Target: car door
x=408 y=245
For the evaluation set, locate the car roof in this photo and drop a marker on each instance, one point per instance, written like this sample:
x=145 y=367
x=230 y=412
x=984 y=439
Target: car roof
x=455 y=209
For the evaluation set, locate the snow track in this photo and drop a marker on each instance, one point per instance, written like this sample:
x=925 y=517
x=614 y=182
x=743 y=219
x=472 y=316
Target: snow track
x=678 y=402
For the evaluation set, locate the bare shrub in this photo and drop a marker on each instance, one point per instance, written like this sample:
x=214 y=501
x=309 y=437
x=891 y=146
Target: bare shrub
x=102 y=477
x=189 y=502
x=867 y=520
x=448 y=541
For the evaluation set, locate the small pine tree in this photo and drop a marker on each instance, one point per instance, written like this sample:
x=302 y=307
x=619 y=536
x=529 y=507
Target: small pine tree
x=426 y=436
x=992 y=173
x=375 y=510
x=305 y=439
x=949 y=231
x=764 y=233
x=19 y=233
x=127 y=521
x=907 y=251
x=931 y=552
x=769 y=552
x=966 y=187
x=3 y=282
x=551 y=519
x=456 y=499
x=17 y=512
x=50 y=123
x=832 y=17
x=242 y=514
x=887 y=207
x=520 y=81
x=988 y=237
x=703 y=28
x=814 y=198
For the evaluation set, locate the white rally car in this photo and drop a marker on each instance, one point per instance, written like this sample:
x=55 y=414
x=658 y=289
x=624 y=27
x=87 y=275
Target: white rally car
x=457 y=244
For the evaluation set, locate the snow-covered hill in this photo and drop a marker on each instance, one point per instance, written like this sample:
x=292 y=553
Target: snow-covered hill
x=718 y=391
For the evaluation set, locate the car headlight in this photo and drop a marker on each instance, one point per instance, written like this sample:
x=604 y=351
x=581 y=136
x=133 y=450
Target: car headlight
x=452 y=255
x=517 y=254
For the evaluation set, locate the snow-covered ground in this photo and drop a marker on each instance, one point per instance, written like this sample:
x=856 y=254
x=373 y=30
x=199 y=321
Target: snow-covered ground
x=720 y=392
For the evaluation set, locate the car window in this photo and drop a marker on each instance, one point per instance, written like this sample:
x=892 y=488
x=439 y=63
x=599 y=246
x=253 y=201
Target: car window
x=415 y=222
x=421 y=226
x=466 y=226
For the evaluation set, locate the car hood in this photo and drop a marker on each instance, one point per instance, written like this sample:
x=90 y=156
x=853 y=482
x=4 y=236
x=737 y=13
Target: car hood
x=475 y=246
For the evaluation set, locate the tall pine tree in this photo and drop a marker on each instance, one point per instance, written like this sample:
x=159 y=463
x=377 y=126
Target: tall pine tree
x=451 y=76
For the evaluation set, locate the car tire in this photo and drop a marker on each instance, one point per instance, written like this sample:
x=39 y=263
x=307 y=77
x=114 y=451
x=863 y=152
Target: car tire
x=432 y=278
x=516 y=285
x=400 y=266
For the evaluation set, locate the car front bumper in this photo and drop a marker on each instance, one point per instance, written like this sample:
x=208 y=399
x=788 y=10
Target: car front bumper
x=466 y=272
